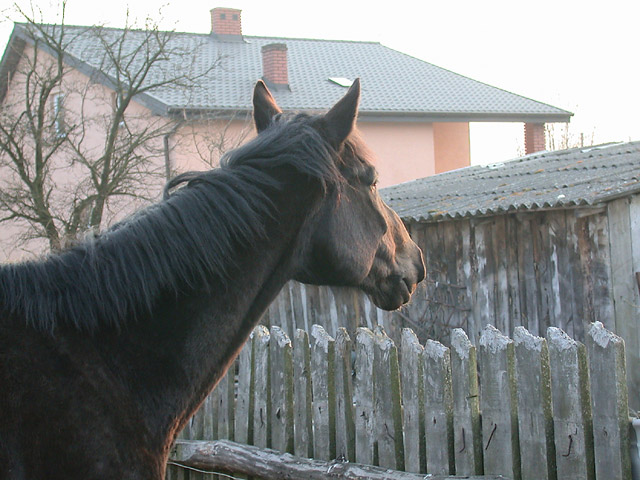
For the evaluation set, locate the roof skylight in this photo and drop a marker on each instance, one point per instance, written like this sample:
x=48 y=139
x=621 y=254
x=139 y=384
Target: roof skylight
x=343 y=82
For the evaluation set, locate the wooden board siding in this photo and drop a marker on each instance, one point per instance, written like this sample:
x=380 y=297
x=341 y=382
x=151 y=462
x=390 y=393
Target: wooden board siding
x=624 y=291
x=534 y=270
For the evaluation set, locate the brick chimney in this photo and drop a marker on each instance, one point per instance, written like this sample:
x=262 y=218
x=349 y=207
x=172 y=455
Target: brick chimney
x=226 y=22
x=534 y=140
x=275 y=71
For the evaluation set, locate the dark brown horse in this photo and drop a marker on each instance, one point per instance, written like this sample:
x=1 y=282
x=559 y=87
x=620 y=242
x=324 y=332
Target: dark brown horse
x=108 y=348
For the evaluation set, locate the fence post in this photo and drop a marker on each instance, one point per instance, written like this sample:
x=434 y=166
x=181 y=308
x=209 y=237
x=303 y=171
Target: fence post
x=498 y=404
x=535 y=421
x=363 y=395
x=345 y=430
x=281 y=372
x=302 y=420
x=571 y=406
x=466 y=405
x=261 y=405
x=388 y=409
x=610 y=403
x=323 y=385
x=412 y=402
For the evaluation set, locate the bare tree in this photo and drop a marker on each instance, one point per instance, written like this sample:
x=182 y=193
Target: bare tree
x=213 y=135
x=559 y=136
x=75 y=142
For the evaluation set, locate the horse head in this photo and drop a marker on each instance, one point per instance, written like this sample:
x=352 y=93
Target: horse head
x=355 y=239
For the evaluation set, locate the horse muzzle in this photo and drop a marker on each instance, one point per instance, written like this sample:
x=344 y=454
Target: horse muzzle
x=395 y=290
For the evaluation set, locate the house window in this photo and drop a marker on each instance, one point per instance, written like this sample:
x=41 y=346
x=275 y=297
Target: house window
x=58 y=116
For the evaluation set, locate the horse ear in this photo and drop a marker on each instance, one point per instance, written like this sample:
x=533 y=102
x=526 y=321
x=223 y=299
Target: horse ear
x=264 y=106
x=341 y=119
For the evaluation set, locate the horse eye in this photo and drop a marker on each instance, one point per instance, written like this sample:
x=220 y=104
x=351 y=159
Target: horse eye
x=374 y=186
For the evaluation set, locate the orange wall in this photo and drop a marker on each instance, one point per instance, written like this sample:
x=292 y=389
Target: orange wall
x=403 y=151
x=451 y=146
x=411 y=150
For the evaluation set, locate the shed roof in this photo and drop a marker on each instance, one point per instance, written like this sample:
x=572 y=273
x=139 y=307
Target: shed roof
x=394 y=84
x=560 y=179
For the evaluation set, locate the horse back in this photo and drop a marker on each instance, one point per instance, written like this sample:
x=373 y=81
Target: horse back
x=64 y=414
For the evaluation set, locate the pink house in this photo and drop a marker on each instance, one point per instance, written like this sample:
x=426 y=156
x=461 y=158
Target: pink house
x=414 y=115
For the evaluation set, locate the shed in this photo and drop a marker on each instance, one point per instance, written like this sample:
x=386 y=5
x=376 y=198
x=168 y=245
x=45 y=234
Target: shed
x=549 y=239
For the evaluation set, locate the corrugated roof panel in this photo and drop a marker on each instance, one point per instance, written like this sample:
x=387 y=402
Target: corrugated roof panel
x=575 y=177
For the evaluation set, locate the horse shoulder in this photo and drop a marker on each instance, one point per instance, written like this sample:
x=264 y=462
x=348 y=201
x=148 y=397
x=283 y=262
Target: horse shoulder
x=63 y=414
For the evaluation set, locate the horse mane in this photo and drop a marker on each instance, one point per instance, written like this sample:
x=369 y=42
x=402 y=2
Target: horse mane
x=189 y=238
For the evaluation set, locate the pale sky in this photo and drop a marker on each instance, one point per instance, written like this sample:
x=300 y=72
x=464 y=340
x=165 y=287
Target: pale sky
x=581 y=56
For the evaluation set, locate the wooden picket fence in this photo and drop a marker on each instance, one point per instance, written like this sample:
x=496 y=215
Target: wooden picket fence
x=525 y=408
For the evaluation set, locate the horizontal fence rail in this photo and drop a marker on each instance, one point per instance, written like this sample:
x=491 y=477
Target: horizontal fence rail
x=525 y=407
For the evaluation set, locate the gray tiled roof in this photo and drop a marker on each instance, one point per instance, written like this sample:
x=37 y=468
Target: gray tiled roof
x=576 y=177
x=393 y=83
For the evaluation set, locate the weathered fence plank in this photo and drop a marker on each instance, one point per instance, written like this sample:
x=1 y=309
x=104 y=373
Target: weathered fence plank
x=498 y=404
x=466 y=405
x=323 y=385
x=302 y=420
x=281 y=372
x=501 y=292
x=226 y=404
x=484 y=275
x=526 y=274
x=535 y=422
x=609 y=402
x=243 y=428
x=542 y=269
x=261 y=396
x=388 y=410
x=571 y=406
x=438 y=408
x=363 y=396
x=624 y=291
x=512 y=265
x=209 y=429
x=345 y=429
x=412 y=402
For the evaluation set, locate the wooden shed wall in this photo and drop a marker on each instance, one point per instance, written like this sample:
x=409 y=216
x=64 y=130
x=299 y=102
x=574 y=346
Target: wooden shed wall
x=562 y=267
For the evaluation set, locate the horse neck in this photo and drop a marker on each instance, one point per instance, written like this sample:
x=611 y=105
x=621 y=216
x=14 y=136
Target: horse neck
x=193 y=339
